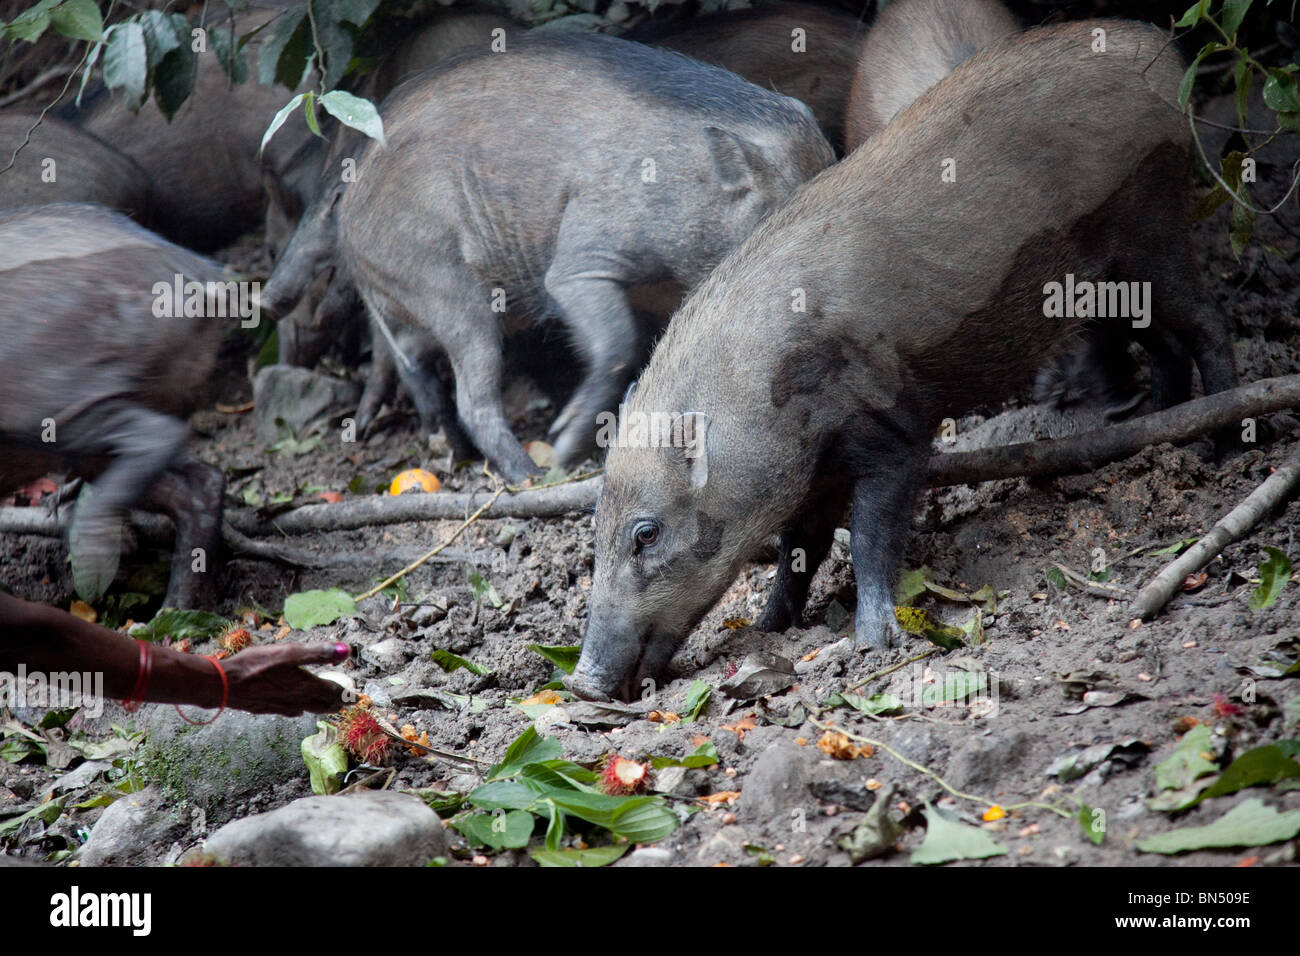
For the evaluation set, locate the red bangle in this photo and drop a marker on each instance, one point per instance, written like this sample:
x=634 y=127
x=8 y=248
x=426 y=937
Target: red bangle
x=143 y=673
x=225 y=695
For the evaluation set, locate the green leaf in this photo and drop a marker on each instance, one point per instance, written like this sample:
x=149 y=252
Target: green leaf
x=173 y=79
x=315 y=608
x=1186 y=764
x=160 y=36
x=480 y=585
x=232 y=59
x=278 y=120
x=558 y=775
x=78 y=19
x=1194 y=14
x=911 y=586
x=178 y=625
x=955 y=686
x=283 y=54
x=527 y=748
x=640 y=819
x=562 y=656
x=1230 y=17
x=47 y=813
x=592 y=856
x=1250 y=823
x=31 y=23
x=126 y=62
x=18 y=749
x=696 y=698
x=451 y=663
x=1093 y=822
x=946 y=841
x=505 y=830
x=876 y=705
x=705 y=755
x=326 y=759
x=1241 y=224
x=1280 y=92
x=356 y=112
x=1262 y=765
x=504 y=795
x=1274 y=573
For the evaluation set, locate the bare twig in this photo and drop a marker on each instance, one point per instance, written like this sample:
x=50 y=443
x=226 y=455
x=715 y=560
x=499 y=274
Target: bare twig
x=1092 y=449
x=1234 y=526
x=547 y=502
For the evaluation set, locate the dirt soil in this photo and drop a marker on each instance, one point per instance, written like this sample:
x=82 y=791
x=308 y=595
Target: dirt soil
x=796 y=802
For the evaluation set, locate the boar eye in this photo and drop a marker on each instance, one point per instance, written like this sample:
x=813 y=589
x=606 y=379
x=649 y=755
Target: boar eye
x=645 y=534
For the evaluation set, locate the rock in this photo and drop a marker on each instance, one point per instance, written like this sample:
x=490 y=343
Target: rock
x=390 y=654
x=218 y=765
x=725 y=846
x=137 y=829
x=759 y=674
x=648 y=856
x=298 y=397
x=986 y=760
x=777 y=786
x=371 y=828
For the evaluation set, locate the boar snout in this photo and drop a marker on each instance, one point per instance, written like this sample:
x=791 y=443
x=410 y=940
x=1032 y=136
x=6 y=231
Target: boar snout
x=617 y=656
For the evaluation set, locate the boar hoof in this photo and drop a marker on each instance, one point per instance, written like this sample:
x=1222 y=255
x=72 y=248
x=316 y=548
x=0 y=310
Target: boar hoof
x=877 y=631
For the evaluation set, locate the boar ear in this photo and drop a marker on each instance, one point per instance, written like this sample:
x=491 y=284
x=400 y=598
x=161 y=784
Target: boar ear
x=691 y=445
x=735 y=160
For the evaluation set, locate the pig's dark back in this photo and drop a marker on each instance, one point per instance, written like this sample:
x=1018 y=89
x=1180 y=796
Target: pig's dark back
x=930 y=289
x=759 y=45
x=77 y=324
x=85 y=169
x=913 y=45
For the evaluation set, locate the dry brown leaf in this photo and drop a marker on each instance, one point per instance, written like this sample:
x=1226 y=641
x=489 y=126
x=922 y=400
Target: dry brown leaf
x=727 y=797
x=543 y=697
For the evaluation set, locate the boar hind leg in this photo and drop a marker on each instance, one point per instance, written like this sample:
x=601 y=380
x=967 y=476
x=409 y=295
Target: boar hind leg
x=804 y=545
x=190 y=492
x=463 y=324
x=142 y=443
x=1171 y=368
x=883 y=498
x=603 y=329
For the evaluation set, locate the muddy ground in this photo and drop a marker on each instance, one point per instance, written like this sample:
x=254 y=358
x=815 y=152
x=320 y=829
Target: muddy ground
x=1194 y=663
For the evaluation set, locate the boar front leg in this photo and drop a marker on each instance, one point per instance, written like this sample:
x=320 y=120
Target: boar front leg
x=190 y=493
x=804 y=545
x=883 y=498
x=594 y=306
x=142 y=443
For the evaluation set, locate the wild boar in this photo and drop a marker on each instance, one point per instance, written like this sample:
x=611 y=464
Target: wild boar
x=905 y=284
x=203 y=166
x=98 y=369
x=551 y=177
x=913 y=45
x=316 y=308
x=803 y=51
x=61 y=163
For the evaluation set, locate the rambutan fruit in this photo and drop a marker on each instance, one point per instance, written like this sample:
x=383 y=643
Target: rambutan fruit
x=621 y=777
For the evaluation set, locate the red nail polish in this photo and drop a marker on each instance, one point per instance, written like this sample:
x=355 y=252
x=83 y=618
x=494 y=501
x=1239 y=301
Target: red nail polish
x=341 y=651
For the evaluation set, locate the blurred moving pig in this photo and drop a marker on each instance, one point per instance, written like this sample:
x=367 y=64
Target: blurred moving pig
x=1038 y=160
x=803 y=51
x=203 y=167
x=61 y=163
x=913 y=45
x=549 y=178
x=104 y=350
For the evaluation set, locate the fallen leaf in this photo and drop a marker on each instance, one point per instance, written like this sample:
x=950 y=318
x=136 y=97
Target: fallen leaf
x=81 y=609
x=1194 y=582
x=736 y=623
x=739 y=727
x=835 y=744
x=727 y=797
